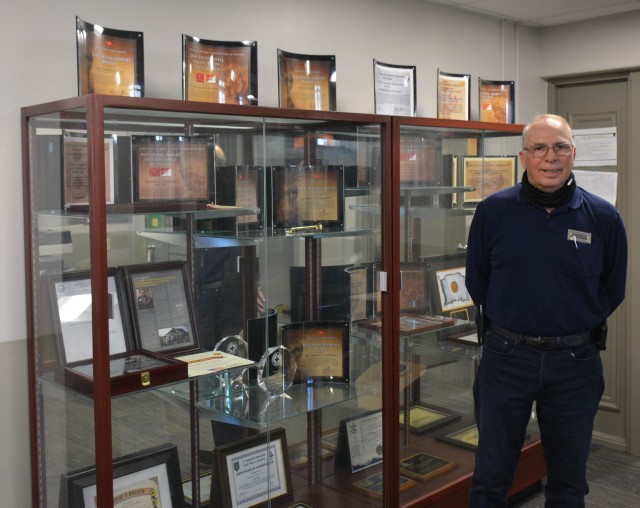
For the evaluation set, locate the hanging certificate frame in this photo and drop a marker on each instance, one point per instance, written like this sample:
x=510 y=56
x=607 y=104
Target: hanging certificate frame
x=454 y=96
x=306 y=81
x=223 y=72
x=496 y=101
x=110 y=61
x=394 y=89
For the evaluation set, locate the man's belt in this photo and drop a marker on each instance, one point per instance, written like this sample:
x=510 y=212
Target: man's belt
x=544 y=343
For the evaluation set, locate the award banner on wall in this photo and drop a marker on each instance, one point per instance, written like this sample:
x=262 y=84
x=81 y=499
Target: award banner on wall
x=394 y=89
x=110 y=61
x=496 y=101
x=171 y=168
x=306 y=81
x=223 y=72
x=487 y=175
x=454 y=96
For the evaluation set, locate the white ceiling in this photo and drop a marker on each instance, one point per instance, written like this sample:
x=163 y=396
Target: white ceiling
x=544 y=12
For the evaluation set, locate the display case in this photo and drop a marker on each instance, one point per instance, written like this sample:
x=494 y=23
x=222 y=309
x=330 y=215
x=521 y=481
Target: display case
x=248 y=306
x=442 y=169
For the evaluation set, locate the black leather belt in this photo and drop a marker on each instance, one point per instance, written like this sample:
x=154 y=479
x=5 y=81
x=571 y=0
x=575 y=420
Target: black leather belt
x=544 y=343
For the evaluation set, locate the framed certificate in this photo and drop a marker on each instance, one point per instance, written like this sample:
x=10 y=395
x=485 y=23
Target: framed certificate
x=306 y=195
x=241 y=186
x=452 y=289
x=454 y=96
x=161 y=306
x=374 y=484
x=394 y=89
x=252 y=472
x=171 y=168
x=419 y=154
x=423 y=418
x=423 y=467
x=110 y=61
x=71 y=295
x=497 y=101
x=466 y=437
x=223 y=72
x=321 y=350
x=299 y=457
x=148 y=478
x=76 y=171
x=360 y=442
x=487 y=175
x=306 y=81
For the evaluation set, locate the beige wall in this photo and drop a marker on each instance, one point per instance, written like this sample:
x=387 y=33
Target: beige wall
x=37 y=49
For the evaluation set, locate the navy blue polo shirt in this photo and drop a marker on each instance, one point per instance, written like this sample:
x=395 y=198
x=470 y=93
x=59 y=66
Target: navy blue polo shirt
x=544 y=273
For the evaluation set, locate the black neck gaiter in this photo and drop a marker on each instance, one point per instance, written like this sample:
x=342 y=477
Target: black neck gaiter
x=549 y=199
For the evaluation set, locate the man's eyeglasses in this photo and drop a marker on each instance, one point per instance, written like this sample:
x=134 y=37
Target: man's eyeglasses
x=540 y=151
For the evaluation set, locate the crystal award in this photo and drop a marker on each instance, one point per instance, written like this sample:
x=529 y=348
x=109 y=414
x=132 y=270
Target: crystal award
x=276 y=370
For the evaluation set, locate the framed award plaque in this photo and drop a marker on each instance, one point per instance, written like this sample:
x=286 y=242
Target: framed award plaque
x=320 y=348
x=171 y=168
x=222 y=72
x=415 y=294
x=423 y=418
x=496 y=101
x=454 y=96
x=241 y=186
x=163 y=316
x=148 y=478
x=306 y=81
x=487 y=175
x=306 y=195
x=110 y=61
x=394 y=89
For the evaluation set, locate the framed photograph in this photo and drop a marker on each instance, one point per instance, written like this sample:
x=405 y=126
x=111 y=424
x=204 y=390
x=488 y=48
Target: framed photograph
x=423 y=466
x=360 y=442
x=223 y=72
x=252 y=472
x=394 y=89
x=307 y=195
x=497 y=101
x=171 y=168
x=76 y=171
x=415 y=293
x=129 y=372
x=423 y=417
x=374 y=484
x=466 y=437
x=110 y=61
x=148 y=478
x=161 y=306
x=487 y=175
x=71 y=296
x=454 y=96
x=321 y=350
x=306 y=81
x=452 y=290
x=241 y=186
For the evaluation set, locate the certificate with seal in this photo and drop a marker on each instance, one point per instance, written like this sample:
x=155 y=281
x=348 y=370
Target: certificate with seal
x=363 y=435
x=252 y=471
x=306 y=81
x=110 y=61
x=223 y=72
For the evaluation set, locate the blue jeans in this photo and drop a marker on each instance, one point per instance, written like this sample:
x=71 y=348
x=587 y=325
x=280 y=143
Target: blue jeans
x=566 y=385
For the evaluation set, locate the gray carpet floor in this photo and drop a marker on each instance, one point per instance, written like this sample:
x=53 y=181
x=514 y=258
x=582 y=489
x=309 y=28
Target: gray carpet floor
x=614 y=481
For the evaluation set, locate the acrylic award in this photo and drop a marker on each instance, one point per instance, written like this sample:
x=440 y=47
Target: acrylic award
x=276 y=371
